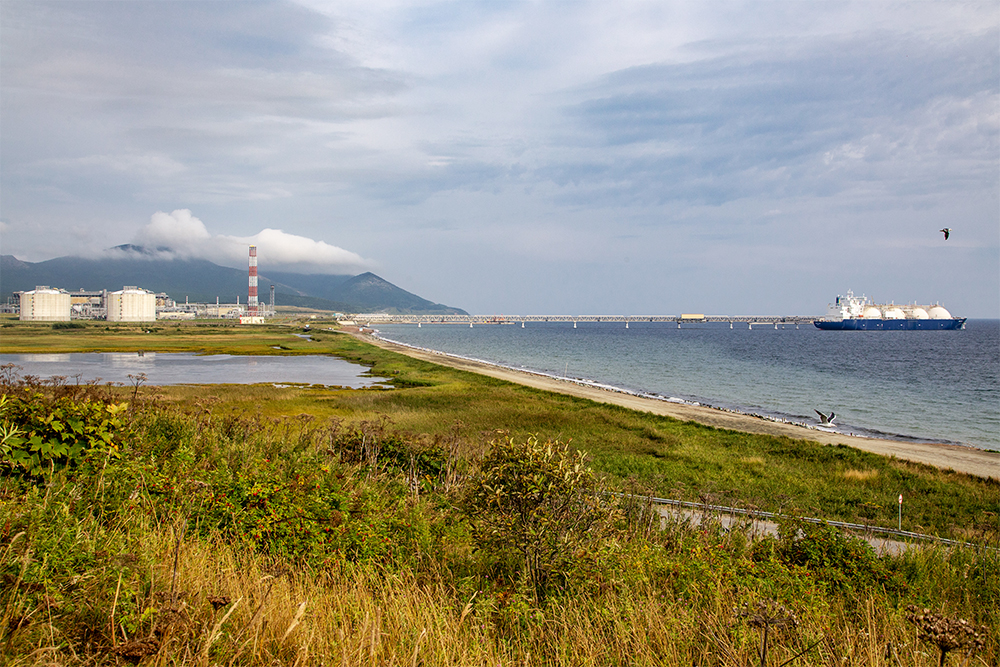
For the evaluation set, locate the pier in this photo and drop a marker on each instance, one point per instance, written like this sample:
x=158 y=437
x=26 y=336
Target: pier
x=751 y=321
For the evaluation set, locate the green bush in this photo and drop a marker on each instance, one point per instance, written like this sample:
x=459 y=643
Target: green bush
x=839 y=561
x=535 y=513
x=39 y=432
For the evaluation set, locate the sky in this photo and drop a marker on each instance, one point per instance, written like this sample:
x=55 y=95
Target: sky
x=574 y=158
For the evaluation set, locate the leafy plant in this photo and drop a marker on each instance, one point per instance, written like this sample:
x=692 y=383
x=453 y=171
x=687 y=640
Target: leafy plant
x=840 y=561
x=534 y=511
x=40 y=432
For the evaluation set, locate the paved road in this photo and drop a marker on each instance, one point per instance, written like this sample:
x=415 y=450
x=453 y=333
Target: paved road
x=757 y=528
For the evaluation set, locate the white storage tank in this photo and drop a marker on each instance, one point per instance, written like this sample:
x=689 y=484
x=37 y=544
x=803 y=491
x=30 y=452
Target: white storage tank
x=894 y=313
x=45 y=304
x=919 y=314
x=131 y=304
x=939 y=313
x=872 y=313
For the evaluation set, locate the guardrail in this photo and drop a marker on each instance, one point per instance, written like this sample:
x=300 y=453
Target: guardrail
x=720 y=509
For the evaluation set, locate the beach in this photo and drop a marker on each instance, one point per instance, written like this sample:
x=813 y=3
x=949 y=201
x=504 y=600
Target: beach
x=962 y=459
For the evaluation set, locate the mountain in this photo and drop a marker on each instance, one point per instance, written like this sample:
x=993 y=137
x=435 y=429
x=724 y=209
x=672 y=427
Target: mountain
x=201 y=280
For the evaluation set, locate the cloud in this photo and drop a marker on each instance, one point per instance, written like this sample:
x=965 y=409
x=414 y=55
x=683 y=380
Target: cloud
x=285 y=251
x=808 y=119
x=180 y=235
x=179 y=232
x=547 y=143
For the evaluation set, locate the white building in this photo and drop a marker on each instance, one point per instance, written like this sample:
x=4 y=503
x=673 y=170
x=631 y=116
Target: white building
x=131 y=304
x=45 y=304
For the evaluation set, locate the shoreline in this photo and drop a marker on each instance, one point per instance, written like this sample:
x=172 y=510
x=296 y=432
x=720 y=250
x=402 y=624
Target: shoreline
x=959 y=458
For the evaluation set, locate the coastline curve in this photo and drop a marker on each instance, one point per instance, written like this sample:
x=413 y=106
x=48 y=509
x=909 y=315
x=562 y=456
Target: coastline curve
x=968 y=460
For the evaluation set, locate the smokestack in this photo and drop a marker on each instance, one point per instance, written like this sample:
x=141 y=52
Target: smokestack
x=252 y=300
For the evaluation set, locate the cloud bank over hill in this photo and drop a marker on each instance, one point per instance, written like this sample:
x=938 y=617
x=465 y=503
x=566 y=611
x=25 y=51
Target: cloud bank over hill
x=181 y=235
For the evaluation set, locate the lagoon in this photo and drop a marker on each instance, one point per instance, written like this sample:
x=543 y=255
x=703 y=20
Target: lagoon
x=189 y=368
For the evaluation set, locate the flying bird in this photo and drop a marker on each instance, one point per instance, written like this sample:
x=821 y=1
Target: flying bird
x=947 y=232
x=825 y=420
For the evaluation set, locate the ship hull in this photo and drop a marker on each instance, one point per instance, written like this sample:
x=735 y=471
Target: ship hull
x=891 y=325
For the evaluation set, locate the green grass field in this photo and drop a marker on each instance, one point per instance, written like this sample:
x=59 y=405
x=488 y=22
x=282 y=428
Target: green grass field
x=658 y=454
x=435 y=523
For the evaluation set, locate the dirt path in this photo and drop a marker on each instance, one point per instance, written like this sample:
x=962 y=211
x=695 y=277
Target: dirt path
x=961 y=459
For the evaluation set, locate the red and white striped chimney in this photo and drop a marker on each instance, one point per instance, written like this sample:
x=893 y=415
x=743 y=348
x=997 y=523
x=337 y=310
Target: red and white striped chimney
x=252 y=300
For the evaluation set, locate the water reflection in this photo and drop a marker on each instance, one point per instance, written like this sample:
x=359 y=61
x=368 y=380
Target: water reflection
x=188 y=368
x=130 y=361
x=47 y=358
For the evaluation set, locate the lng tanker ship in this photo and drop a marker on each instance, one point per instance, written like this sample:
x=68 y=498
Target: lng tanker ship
x=851 y=313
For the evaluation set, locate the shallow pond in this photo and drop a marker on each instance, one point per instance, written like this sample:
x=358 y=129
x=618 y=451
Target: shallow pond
x=188 y=368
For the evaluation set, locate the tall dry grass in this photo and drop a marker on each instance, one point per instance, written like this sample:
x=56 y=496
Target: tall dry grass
x=363 y=616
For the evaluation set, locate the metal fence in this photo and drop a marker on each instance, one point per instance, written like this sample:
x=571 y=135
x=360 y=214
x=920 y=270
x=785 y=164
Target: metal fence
x=756 y=514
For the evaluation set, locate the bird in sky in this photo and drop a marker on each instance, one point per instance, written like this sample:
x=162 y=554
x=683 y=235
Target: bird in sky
x=825 y=420
x=947 y=232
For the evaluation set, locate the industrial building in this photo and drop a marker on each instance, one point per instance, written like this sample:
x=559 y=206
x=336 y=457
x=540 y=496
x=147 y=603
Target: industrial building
x=45 y=304
x=88 y=305
x=135 y=304
x=131 y=304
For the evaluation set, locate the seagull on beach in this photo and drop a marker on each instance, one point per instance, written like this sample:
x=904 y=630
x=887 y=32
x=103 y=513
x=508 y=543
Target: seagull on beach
x=825 y=420
x=947 y=232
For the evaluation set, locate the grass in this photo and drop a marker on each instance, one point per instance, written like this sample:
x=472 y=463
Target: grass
x=132 y=558
x=662 y=455
x=327 y=527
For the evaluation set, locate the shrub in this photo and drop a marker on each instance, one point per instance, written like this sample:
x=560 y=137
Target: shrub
x=840 y=561
x=39 y=432
x=535 y=513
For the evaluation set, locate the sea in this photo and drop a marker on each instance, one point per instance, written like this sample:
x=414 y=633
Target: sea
x=926 y=386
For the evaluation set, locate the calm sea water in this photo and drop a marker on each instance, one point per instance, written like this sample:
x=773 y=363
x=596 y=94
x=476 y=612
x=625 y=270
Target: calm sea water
x=938 y=386
x=186 y=368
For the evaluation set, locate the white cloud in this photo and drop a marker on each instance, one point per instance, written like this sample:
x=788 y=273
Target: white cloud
x=279 y=249
x=181 y=235
x=179 y=232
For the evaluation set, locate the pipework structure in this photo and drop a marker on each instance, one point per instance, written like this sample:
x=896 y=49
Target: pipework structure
x=252 y=297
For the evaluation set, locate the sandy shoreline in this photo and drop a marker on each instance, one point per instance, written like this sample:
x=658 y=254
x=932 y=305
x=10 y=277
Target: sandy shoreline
x=956 y=457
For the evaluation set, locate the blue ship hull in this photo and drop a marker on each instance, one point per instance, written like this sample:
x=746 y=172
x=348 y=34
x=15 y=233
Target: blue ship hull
x=891 y=325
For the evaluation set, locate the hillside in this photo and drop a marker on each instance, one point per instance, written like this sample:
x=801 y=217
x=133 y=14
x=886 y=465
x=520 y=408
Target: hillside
x=201 y=280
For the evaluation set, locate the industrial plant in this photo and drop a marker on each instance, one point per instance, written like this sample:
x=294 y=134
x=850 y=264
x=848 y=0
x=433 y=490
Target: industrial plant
x=135 y=304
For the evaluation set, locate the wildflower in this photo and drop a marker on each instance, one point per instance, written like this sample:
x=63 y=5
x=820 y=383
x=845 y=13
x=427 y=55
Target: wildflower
x=948 y=634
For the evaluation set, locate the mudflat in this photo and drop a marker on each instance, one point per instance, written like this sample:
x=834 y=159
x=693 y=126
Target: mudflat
x=955 y=457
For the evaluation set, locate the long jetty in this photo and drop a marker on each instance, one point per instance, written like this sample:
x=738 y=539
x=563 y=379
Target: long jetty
x=472 y=320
